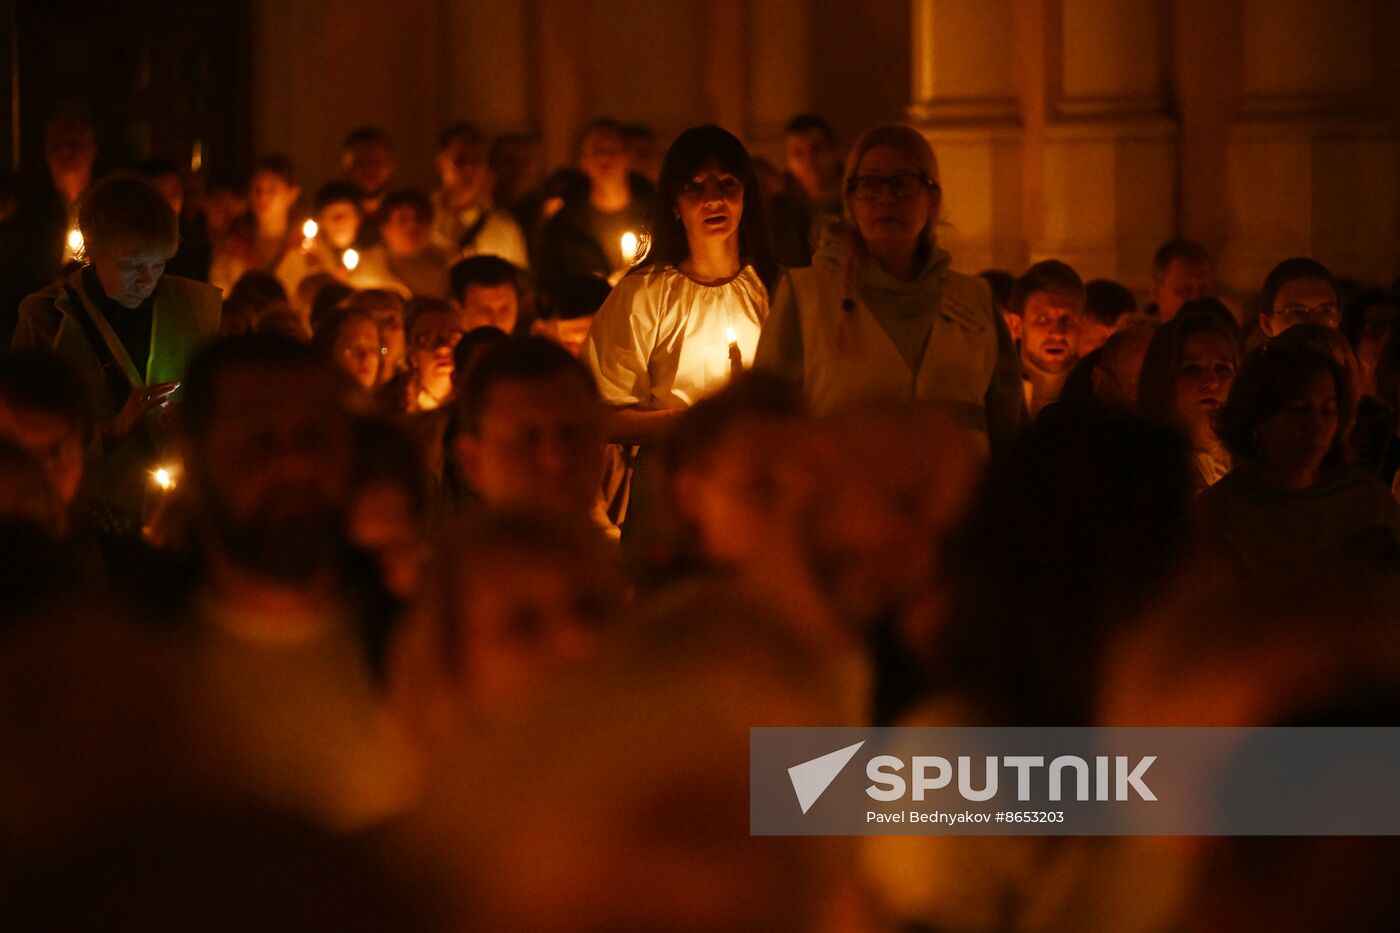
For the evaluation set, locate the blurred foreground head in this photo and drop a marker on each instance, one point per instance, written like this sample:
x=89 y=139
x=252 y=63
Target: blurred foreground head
x=531 y=428
x=1315 y=650
x=1074 y=533
x=618 y=799
x=511 y=599
x=267 y=457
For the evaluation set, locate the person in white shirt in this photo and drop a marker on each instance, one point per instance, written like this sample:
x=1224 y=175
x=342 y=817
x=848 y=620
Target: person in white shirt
x=464 y=221
x=688 y=315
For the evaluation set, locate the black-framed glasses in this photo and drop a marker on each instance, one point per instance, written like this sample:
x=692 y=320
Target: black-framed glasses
x=902 y=187
x=431 y=340
x=1303 y=314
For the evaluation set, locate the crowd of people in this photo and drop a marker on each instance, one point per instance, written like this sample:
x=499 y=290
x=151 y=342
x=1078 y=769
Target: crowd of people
x=440 y=548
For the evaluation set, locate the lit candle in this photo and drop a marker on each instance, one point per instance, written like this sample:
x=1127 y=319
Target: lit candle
x=350 y=259
x=629 y=247
x=736 y=359
x=308 y=233
x=74 y=243
x=163 y=478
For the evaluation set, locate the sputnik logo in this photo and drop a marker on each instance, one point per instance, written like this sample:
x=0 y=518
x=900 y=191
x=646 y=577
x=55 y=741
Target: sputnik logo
x=811 y=778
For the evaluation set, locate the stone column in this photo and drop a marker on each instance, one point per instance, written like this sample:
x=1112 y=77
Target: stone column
x=1313 y=152
x=725 y=64
x=559 y=79
x=965 y=102
x=779 y=63
x=490 y=78
x=1109 y=148
x=316 y=76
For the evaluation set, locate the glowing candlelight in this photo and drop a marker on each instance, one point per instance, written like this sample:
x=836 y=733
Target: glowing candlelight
x=350 y=259
x=736 y=359
x=308 y=233
x=163 y=478
x=197 y=156
x=74 y=242
x=629 y=247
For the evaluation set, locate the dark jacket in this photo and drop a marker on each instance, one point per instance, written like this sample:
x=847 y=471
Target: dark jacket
x=569 y=246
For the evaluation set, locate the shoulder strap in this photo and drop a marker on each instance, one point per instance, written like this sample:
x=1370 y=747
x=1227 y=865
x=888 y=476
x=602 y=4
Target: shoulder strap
x=112 y=370
x=471 y=233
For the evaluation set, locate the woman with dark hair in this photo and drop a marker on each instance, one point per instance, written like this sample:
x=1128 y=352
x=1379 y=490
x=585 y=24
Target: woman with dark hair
x=881 y=317
x=687 y=316
x=1293 y=500
x=349 y=338
x=1186 y=377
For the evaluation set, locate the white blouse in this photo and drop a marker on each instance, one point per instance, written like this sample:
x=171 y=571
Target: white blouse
x=661 y=339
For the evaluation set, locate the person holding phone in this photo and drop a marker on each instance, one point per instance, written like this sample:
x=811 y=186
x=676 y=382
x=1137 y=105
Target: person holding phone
x=128 y=329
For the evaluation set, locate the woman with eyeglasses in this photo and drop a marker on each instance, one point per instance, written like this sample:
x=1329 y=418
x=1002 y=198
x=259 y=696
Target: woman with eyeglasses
x=432 y=334
x=880 y=317
x=349 y=337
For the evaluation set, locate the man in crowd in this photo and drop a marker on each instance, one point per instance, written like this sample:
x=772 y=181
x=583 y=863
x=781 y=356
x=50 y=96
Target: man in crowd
x=367 y=162
x=287 y=621
x=532 y=429
x=41 y=239
x=1049 y=300
x=1298 y=291
x=485 y=291
x=811 y=188
x=465 y=223
x=1105 y=304
x=1182 y=271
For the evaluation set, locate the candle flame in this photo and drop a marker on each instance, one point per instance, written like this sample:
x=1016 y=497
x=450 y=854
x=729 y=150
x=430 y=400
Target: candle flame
x=163 y=478
x=629 y=247
x=309 y=229
x=730 y=335
x=351 y=259
x=75 y=241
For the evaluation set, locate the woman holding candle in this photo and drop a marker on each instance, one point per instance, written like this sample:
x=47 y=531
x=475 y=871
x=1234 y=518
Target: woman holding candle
x=881 y=317
x=667 y=334
x=328 y=238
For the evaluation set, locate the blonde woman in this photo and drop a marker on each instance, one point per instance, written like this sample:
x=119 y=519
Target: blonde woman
x=880 y=317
